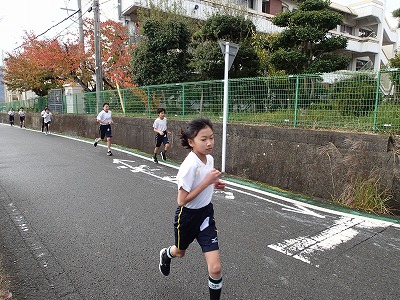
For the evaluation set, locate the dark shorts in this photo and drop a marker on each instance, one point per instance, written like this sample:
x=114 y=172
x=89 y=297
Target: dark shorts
x=11 y=118
x=161 y=139
x=199 y=224
x=105 y=131
x=21 y=119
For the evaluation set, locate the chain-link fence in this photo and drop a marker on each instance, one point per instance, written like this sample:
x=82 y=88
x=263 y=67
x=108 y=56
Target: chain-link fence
x=359 y=101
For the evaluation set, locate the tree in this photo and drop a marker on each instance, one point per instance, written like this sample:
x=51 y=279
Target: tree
x=41 y=65
x=115 y=54
x=162 y=55
x=306 y=46
x=36 y=67
x=208 y=61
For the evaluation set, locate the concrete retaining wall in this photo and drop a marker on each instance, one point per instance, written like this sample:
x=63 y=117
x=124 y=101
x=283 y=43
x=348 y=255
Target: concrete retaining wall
x=309 y=162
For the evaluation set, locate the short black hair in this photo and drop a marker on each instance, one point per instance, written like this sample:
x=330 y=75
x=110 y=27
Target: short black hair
x=106 y=103
x=160 y=110
x=193 y=129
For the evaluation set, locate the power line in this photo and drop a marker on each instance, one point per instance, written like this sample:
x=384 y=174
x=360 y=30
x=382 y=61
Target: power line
x=51 y=28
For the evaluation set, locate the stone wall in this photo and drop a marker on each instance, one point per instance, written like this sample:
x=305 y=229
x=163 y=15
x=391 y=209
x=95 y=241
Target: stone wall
x=308 y=162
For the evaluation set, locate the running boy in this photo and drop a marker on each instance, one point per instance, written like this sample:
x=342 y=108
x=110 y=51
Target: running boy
x=194 y=217
x=21 y=117
x=161 y=130
x=47 y=120
x=42 y=114
x=105 y=120
x=11 y=114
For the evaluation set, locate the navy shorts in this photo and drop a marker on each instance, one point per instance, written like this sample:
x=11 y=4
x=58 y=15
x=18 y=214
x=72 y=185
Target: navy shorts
x=105 y=131
x=199 y=224
x=161 y=139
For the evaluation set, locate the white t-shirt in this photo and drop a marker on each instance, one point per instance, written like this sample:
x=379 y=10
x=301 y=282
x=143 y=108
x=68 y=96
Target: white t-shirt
x=104 y=117
x=47 y=117
x=21 y=113
x=190 y=174
x=160 y=124
x=11 y=113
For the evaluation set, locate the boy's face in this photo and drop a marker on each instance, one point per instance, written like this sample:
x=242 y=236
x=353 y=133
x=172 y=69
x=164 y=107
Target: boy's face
x=161 y=115
x=106 y=107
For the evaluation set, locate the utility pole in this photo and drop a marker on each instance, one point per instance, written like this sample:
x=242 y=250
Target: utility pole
x=80 y=21
x=97 y=48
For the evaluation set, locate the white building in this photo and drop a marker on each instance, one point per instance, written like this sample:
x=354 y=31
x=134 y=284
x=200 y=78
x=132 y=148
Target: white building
x=371 y=39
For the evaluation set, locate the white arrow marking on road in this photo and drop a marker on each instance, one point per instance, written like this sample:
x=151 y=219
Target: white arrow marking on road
x=142 y=169
x=300 y=209
x=304 y=248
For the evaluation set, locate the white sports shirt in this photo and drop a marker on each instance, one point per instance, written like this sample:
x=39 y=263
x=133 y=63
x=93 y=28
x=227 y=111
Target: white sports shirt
x=160 y=124
x=104 y=117
x=191 y=172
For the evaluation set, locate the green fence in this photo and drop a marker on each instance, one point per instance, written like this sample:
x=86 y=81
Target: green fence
x=359 y=101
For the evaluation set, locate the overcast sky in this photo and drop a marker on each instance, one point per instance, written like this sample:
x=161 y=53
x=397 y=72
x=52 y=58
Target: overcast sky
x=17 y=16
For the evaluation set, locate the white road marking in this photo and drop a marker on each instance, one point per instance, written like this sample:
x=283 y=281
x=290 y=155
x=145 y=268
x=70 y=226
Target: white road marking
x=300 y=209
x=306 y=248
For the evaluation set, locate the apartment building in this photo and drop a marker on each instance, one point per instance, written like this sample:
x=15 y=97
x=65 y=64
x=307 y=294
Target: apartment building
x=371 y=39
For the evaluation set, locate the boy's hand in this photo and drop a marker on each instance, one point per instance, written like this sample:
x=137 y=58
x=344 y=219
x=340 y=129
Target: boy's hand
x=220 y=185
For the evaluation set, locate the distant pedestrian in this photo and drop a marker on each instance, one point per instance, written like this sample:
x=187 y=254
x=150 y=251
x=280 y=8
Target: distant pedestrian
x=161 y=130
x=41 y=114
x=105 y=120
x=194 y=217
x=11 y=114
x=47 y=116
x=21 y=113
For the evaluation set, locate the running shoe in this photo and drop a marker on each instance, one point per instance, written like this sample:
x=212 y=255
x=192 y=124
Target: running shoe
x=95 y=142
x=109 y=153
x=163 y=156
x=165 y=262
x=155 y=160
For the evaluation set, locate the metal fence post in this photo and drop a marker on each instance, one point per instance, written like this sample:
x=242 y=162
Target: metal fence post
x=378 y=82
x=183 y=99
x=296 y=100
x=148 y=101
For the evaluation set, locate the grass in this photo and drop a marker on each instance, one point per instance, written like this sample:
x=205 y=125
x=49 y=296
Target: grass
x=358 y=190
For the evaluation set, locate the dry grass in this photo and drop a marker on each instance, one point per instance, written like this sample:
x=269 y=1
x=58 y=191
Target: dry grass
x=356 y=190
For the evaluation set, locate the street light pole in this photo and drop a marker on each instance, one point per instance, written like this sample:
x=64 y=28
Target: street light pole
x=97 y=48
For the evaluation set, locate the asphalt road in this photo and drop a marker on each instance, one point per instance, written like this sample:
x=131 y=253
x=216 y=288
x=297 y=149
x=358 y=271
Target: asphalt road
x=77 y=224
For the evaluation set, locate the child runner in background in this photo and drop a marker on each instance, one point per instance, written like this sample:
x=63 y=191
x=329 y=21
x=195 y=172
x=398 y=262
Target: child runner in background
x=21 y=117
x=42 y=114
x=11 y=114
x=161 y=130
x=105 y=120
x=194 y=217
x=47 y=120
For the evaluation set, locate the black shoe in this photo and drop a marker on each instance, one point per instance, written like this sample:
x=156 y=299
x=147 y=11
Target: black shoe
x=95 y=142
x=165 y=262
x=163 y=156
x=109 y=153
x=155 y=160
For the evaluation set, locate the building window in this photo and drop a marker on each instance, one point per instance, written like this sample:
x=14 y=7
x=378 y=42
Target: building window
x=346 y=29
x=266 y=6
x=251 y=4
